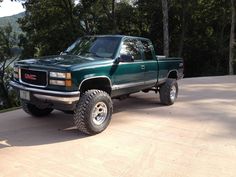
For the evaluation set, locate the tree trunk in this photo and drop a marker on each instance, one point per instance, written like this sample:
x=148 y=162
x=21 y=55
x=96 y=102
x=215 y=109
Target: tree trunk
x=165 y=27
x=183 y=26
x=232 y=40
x=113 y=17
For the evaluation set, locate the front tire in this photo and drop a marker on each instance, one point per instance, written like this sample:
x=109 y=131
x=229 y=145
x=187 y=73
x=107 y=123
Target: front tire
x=34 y=110
x=169 y=92
x=93 y=112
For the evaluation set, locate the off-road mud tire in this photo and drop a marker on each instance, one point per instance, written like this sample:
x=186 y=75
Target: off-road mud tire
x=83 y=114
x=169 y=92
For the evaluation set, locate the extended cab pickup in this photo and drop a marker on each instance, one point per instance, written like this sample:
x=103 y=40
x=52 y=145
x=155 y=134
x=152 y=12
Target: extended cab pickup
x=84 y=78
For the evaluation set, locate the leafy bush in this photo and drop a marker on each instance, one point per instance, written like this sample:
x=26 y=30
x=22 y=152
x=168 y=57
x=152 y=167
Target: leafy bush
x=12 y=94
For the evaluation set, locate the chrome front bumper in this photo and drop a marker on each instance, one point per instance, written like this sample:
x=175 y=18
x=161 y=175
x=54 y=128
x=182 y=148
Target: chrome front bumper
x=49 y=95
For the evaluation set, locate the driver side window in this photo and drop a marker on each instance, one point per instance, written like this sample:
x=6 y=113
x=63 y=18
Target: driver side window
x=130 y=47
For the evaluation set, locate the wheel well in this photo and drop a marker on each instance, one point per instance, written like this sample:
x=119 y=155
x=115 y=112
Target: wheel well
x=96 y=83
x=173 y=75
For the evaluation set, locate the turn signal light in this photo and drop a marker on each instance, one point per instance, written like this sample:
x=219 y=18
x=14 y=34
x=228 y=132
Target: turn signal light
x=68 y=83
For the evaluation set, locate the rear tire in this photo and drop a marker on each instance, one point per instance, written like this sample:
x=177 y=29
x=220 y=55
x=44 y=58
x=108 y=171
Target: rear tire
x=34 y=110
x=93 y=112
x=169 y=92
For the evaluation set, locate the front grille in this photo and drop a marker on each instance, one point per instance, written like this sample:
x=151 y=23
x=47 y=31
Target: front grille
x=34 y=77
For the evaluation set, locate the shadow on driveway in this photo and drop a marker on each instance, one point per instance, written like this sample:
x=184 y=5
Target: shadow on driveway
x=20 y=129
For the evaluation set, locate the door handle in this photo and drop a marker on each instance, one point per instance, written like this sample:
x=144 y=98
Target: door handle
x=142 y=66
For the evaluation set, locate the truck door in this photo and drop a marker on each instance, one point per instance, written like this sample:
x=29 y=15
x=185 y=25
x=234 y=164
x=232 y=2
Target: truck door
x=128 y=76
x=151 y=67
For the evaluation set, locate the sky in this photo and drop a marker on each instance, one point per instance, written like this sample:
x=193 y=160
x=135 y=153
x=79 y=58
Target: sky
x=9 y=8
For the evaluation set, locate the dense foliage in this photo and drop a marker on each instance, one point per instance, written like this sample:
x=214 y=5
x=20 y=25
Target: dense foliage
x=199 y=29
x=7 y=41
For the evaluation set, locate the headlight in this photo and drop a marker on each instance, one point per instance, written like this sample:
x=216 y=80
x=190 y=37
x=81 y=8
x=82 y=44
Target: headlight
x=57 y=82
x=60 y=79
x=60 y=75
x=67 y=83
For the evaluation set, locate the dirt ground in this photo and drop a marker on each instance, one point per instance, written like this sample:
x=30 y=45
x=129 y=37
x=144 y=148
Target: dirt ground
x=196 y=137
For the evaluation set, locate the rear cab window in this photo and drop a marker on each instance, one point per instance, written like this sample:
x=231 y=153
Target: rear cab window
x=148 y=50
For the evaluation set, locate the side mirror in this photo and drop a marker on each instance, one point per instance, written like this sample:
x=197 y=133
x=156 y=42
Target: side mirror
x=124 y=58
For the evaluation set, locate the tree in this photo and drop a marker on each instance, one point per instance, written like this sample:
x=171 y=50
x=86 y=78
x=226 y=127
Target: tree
x=114 y=29
x=93 y=19
x=165 y=27
x=232 y=38
x=126 y=22
x=180 y=16
x=98 y=16
x=198 y=30
x=148 y=22
x=49 y=26
x=205 y=43
x=7 y=41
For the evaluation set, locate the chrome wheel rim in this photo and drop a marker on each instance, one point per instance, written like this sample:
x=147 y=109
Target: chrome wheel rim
x=99 y=113
x=173 y=93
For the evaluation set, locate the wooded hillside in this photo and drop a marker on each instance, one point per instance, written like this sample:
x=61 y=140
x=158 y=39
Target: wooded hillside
x=12 y=20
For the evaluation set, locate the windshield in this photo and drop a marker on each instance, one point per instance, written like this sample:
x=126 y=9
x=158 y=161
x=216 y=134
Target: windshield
x=93 y=46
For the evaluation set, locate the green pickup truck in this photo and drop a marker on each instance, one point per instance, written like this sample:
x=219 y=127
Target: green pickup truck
x=85 y=78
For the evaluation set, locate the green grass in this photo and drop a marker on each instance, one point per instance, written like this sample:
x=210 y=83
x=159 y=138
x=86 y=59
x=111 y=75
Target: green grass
x=9 y=109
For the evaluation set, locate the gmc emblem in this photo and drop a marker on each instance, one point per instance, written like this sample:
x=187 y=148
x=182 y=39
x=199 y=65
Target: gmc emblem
x=30 y=77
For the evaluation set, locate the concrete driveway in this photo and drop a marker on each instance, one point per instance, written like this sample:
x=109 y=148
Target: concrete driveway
x=196 y=137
